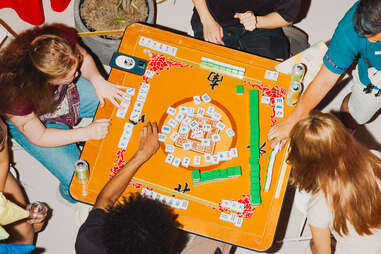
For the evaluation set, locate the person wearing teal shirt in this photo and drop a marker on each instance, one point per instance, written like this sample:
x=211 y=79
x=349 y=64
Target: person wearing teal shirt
x=357 y=37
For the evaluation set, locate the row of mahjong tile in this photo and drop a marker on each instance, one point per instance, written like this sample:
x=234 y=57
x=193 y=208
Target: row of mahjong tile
x=139 y=103
x=279 y=105
x=158 y=46
x=199 y=177
x=167 y=200
x=183 y=111
x=208 y=158
x=222 y=67
x=232 y=218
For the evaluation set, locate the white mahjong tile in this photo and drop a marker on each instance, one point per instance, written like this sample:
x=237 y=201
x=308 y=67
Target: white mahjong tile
x=141 y=97
x=238 y=222
x=160 y=47
x=171 y=111
x=149 y=74
x=227 y=204
x=278 y=101
x=265 y=100
x=138 y=106
x=190 y=111
x=200 y=111
x=187 y=146
x=186 y=121
x=215 y=160
x=197 y=160
x=235 y=205
x=210 y=110
x=193 y=125
x=225 y=217
x=121 y=113
x=169 y=158
x=128 y=126
x=279 y=113
x=216 y=116
x=172 y=123
x=226 y=155
x=234 y=152
x=123 y=144
x=174 y=136
x=176 y=162
x=127 y=133
x=279 y=107
x=169 y=148
x=233 y=218
x=125 y=104
x=205 y=97
x=197 y=134
x=230 y=132
x=216 y=137
x=130 y=91
x=241 y=208
x=142 y=41
x=154 y=195
x=176 y=203
x=183 y=109
x=205 y=142
x=161 y=137
x=220 y=125
x=180 y=117
x=196 y=100
x=172 y=51
x=144 y=192
x=186 y=161
x=184 y=204
x=208 y=158
x=183 y=129
x=166 y=129
x=206 y=127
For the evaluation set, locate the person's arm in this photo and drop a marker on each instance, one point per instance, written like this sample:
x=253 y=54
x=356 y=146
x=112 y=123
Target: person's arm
x=315 y=92
x=213 y=32
x=148 y=145
x=269 y=21
x=103 y=88
x=32 y=128
x=321 y=240
x=4 y=164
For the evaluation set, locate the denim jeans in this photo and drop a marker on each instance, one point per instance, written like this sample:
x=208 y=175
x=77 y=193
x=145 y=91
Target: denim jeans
x=60 y=160
x=270 y=43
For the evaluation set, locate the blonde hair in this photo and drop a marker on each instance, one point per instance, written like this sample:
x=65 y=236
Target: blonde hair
x=53 y=56
x=325 y=157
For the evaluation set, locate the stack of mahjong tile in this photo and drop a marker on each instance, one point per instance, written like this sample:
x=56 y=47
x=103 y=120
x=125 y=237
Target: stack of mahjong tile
x=126 y=136
x=204 y=130
x=278 y=105
x=232 y=206
x=199 y=177
x=139 y=103
x=228 y=69
x=125 y=104
x=167 y=200
x=157 y=46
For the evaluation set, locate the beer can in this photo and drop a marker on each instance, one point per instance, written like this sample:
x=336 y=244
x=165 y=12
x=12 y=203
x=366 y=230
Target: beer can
x=294 y=92
x=81 y=171
x=298 y=71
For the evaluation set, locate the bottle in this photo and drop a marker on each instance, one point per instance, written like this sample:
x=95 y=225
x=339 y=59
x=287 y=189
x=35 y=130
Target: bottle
x=82 y=173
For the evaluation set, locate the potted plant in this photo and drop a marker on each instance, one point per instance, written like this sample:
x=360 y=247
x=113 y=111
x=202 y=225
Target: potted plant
x=95 y=15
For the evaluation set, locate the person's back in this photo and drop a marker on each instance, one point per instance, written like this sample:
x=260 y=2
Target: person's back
x=345 y=180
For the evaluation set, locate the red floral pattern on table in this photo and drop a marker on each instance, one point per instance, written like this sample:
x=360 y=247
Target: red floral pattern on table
x=159 y=62
x=119 y=163
x=272 y=92
x=248 y=209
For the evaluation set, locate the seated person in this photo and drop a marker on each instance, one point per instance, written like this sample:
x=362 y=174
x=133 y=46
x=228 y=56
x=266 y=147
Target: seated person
x=344 y=178
x=137 y=224
x=250 y=26
x=23 y=231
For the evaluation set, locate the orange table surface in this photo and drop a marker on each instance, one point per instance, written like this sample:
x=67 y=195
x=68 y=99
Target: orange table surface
x=176 y=79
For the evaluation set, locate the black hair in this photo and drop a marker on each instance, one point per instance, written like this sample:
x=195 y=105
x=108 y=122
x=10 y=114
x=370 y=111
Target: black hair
x=367 y=17
x=140 y=225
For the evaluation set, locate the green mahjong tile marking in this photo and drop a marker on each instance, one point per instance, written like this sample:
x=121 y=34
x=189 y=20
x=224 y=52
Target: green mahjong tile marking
x=255 y=196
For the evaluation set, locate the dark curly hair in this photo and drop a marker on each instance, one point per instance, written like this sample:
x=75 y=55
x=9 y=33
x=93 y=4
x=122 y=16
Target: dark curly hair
x=140 y=225
x=367 y=17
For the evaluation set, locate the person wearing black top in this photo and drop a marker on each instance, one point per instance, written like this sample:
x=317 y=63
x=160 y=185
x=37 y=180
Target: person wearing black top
x=250 y=26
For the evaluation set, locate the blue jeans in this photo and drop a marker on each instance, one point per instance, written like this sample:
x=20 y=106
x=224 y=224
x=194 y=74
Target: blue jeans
x=60 y=160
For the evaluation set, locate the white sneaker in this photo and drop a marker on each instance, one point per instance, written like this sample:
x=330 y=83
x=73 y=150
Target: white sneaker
x=81 y=212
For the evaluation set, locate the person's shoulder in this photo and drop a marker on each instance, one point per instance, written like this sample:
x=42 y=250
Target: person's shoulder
x=346 y=23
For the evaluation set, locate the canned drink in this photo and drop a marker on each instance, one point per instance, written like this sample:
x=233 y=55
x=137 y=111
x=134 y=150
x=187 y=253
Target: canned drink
x=82 y=171
x=298 y=71
x=294 y=92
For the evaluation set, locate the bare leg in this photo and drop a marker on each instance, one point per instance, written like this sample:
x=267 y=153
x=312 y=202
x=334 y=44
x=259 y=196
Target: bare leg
x=345 y=116
x=20 y=232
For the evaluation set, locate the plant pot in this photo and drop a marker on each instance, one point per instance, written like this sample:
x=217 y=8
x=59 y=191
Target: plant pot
x=101 y=47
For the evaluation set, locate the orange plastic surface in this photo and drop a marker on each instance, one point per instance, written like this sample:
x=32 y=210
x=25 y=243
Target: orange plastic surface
x=176 y=80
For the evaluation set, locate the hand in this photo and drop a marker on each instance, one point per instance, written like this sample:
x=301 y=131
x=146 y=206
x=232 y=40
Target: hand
x=247 y=19
x=213 y=32
x=279 y=133
x=107 y=90
x=374 y=76
x=148 y=141
x=98 y=129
